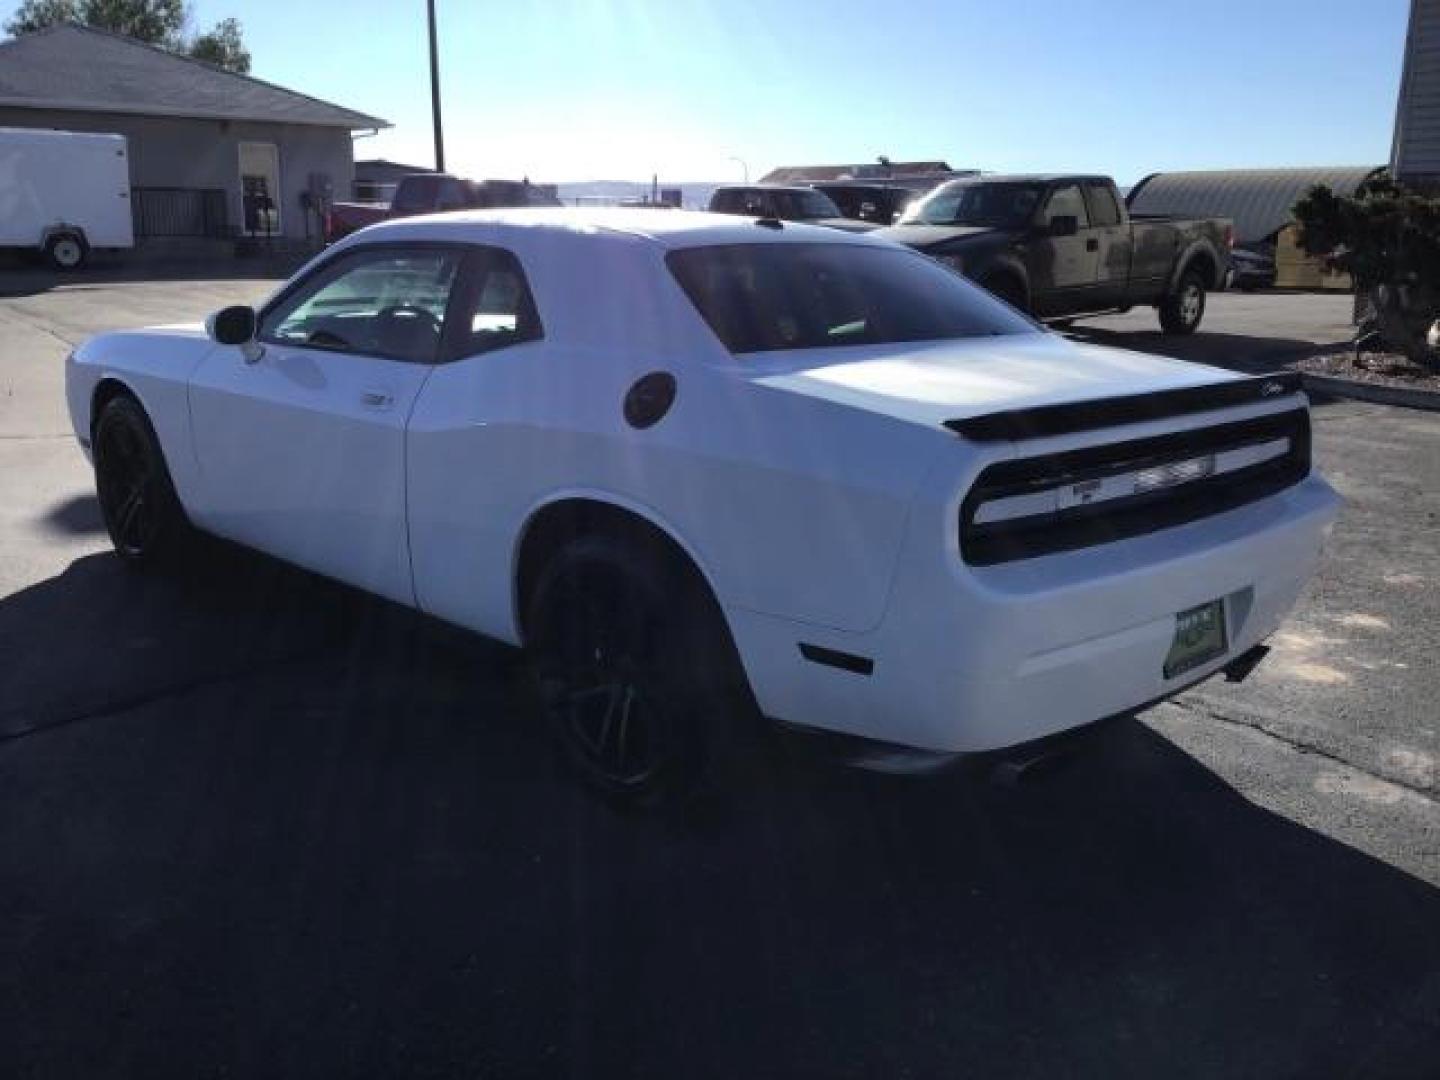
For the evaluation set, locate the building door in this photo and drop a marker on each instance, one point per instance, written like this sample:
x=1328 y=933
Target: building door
x=260 y=188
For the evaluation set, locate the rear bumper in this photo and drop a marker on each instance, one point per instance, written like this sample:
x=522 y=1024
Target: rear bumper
x=971 y=659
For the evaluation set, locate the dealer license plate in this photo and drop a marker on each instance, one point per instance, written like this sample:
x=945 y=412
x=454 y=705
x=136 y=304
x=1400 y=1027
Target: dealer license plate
x=1199 y=637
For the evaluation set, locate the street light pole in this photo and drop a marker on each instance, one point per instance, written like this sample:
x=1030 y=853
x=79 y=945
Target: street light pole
x=435 y=92
x=745 y=169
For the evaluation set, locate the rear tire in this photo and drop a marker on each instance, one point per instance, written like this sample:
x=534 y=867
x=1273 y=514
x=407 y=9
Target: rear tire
x=66 y=251
x=1182 y=310
x=1009 y=290
x=634 y=676
x=137 y=498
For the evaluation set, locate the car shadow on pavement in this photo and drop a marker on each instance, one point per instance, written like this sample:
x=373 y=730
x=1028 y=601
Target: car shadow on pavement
x=253 y=823
x=77 y=516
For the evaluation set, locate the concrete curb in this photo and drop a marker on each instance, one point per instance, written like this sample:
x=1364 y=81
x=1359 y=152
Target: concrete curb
x=1372 y=392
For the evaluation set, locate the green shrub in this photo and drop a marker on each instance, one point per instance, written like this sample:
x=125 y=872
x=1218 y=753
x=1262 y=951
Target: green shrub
x=1387 y=238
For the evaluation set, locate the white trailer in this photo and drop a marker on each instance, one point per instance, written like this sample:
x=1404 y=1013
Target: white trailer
x=64 y=193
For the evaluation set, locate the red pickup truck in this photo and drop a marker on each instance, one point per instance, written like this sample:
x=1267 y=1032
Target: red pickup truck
x=426 y=193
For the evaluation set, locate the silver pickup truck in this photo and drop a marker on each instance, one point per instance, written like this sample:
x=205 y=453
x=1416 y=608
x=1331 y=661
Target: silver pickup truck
x=1061 y=246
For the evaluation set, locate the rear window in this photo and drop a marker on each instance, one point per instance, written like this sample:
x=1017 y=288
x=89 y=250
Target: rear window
x=416 y=193
x=769 y=297
x=728 y=201
x=802 y=205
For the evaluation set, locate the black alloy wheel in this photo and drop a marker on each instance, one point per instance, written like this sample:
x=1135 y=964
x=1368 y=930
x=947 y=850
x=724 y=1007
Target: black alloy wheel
x=137 y=500
x=623 y=660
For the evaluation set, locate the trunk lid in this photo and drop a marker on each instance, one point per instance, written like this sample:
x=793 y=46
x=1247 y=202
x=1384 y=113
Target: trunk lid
x=931 y=383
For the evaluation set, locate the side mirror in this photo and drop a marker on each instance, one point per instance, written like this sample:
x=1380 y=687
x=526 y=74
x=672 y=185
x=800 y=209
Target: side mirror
x=1064 y=225
x=232 y=325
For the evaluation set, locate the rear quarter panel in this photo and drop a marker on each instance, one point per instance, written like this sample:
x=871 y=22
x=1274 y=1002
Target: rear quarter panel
x=1156 y=245
x=788 y=504
x=1165 y=246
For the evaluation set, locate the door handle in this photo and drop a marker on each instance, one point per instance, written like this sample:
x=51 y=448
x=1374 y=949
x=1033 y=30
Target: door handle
x=377 y=399
x=1092 y=244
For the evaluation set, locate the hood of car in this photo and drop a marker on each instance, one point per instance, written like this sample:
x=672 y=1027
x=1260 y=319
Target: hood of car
x=932 y=382
x=929 y=236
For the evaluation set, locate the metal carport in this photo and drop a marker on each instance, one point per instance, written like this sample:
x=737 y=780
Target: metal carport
x=1257 y=200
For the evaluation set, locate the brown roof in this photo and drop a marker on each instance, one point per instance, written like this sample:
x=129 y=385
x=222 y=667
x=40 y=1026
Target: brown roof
x=76 y=68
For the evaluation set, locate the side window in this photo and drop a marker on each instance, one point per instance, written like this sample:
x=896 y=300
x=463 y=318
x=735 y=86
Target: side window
x=1066 y=201
x=496 y=308
x=1104 y=211
x=451 y=196
x=415 y=193
x=386 y=302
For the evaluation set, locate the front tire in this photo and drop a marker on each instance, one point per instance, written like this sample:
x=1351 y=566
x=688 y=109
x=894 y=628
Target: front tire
x=631 y=669
x=137 y=499
x=1182 y=310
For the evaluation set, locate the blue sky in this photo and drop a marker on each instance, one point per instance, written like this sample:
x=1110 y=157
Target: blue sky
x=618 y=89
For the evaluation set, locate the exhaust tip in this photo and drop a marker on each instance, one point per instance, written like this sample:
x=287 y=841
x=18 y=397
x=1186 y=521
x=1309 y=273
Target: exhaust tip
x=1239 y=669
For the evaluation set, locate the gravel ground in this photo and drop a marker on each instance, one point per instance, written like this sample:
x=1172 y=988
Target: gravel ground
x=1380 y=369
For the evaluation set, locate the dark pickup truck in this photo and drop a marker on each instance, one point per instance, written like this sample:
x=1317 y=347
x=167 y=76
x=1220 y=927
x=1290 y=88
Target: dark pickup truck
x=1062 y=246
x=425 y=193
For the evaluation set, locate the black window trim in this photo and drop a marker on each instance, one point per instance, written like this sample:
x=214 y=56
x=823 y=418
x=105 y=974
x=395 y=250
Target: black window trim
x=1042 y=212
x=454 y=340
x=467 y=253
x=1092 y=190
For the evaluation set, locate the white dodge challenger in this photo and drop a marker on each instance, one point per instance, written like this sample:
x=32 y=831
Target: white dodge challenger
x=703 y=467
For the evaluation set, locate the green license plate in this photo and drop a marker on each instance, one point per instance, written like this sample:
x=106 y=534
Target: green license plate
x=1199 y=637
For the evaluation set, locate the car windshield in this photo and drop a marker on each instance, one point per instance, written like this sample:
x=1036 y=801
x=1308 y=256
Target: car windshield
x=993 y=205
x=781 y=296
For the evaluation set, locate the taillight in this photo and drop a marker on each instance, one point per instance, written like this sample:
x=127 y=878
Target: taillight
x=1025 y=507
x=1230 y=237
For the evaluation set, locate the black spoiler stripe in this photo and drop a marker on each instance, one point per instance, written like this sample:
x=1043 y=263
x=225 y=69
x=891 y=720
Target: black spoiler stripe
x=1131 y=409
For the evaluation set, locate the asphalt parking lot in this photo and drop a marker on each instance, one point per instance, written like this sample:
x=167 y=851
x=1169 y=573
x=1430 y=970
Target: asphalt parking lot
x=252 y=823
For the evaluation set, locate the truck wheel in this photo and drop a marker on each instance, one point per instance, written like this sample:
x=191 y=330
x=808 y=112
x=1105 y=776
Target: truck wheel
x=629 y=671
x=1010 y=290
x=137 y=499
x=1182 y=310
x=66 y=251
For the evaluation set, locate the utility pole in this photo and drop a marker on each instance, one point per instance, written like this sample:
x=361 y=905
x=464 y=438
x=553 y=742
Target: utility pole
x=435 y=92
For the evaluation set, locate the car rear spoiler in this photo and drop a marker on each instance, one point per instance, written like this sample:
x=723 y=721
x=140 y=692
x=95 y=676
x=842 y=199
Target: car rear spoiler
x=1075 y=416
